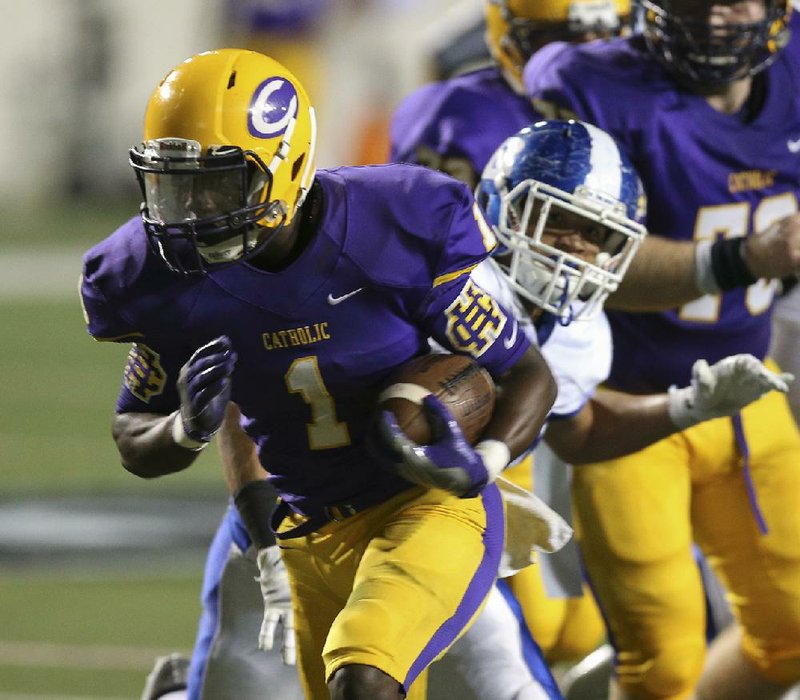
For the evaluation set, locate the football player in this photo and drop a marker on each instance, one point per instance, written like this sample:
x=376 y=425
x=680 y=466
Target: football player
x=568 y=234
x=705 y=103
x=250 y=278
x=566 y=205
x=455 y=125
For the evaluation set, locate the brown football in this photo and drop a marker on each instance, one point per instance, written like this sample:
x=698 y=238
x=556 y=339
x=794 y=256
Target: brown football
x=459 y=382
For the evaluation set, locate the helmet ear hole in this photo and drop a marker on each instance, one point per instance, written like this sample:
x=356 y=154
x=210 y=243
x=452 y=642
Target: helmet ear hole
x=298 y=163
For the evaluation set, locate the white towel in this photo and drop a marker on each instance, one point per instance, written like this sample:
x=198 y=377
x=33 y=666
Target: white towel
x=531 y=525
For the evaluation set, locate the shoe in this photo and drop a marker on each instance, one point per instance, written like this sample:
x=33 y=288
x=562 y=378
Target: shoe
x=169 y=673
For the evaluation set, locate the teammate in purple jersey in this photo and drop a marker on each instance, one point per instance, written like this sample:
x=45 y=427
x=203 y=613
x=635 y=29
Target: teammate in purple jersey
x=455 y=125
x=707 y=104
x=251 y=279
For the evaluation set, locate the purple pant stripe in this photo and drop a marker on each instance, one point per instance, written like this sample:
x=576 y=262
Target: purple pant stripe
x=477 y=589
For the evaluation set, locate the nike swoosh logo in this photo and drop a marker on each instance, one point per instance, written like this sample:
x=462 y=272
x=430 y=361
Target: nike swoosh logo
x=793 y=146
x=508 y=342
x=332 y=300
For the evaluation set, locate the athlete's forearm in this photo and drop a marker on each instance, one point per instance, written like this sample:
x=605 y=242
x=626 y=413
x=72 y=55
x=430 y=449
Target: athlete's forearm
x=240 y=463
x=661 y=276
x=525 y=396
x=253 y=495
x=147 y=446
x=611 y=425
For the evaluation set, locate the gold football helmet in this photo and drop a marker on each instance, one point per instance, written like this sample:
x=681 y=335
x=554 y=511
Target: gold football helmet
x=515 y=29
x=227 y=157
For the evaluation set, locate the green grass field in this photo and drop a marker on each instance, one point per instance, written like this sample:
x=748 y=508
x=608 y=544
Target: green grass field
x=57 y=401
x=91 y=635
x=91 y=630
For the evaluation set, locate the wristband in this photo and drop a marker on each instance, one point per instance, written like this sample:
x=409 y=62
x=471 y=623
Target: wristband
x=495 y=455
x=703 y=272
x=181 y=438
x=255 y=502
x=728 y=265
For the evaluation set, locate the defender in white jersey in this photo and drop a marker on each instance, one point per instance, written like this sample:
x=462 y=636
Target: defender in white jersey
x=566 y=205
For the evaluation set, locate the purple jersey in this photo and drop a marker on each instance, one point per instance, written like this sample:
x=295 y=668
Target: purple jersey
x=388 y=267
x=464 y=117
x=706 y=175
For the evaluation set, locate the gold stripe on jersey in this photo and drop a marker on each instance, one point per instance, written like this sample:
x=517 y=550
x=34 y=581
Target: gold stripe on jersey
x=450 y=276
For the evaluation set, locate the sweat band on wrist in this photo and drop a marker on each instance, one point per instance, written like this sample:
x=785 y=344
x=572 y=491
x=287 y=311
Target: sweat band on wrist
x=703 y=274
x=728 y=265
x=255 y=502
x=181 y=438
x=495 y=455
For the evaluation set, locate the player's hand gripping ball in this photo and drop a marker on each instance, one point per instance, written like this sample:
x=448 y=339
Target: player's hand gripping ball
x=432 y=412
x=460 y=383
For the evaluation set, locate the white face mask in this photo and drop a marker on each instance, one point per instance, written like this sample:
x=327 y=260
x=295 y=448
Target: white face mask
x=557 y=281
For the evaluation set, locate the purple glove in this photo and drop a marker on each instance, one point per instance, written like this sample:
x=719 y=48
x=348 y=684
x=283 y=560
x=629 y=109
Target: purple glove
x=204 y=385
x=449 y=463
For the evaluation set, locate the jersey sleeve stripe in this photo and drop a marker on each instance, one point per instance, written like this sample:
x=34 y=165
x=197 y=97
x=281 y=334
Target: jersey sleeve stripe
x=450 y=276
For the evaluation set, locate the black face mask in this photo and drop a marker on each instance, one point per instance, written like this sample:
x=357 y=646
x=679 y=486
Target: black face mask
x=705 y=57
x=201 y=209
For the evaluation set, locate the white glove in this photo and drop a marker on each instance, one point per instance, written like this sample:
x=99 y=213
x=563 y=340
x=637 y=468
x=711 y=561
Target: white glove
x=722 y=389
x=277 y=603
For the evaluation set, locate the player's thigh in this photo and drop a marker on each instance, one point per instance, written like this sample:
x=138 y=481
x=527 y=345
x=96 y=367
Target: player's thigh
x=762 y=570
x=236 y=667
x=583 y=630
x=423 y=577
x=229 y=542
x=321 y=569
x=635 y=509
x=632 y=517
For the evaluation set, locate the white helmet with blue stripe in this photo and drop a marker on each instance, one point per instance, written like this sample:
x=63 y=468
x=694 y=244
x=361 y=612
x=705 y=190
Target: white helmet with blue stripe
x=544 y=170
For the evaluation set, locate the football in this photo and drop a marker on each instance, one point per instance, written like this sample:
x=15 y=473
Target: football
x=457 y=381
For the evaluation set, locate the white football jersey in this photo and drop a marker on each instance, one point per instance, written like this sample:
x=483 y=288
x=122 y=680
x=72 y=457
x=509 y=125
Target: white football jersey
x=579 y=354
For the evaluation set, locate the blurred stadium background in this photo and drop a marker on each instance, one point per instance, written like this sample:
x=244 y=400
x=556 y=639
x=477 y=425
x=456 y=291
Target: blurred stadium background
x=100 y=571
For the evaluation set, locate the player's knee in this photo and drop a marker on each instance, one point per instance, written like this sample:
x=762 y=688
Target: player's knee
x=669 y=673
x=362 y=682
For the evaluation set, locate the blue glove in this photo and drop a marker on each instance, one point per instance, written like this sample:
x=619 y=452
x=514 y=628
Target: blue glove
x=204 y=386
x=449 y=463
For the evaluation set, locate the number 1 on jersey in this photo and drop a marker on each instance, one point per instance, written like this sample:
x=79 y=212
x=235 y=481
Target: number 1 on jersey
x=325 y=431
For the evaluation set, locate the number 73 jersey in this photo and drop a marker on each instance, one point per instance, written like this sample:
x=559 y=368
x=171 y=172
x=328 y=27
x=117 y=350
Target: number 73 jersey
x=388 y=266
x=706 y=174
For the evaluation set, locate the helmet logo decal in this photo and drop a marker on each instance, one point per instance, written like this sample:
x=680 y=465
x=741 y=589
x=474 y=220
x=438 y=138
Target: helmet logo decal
x=272 y=108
